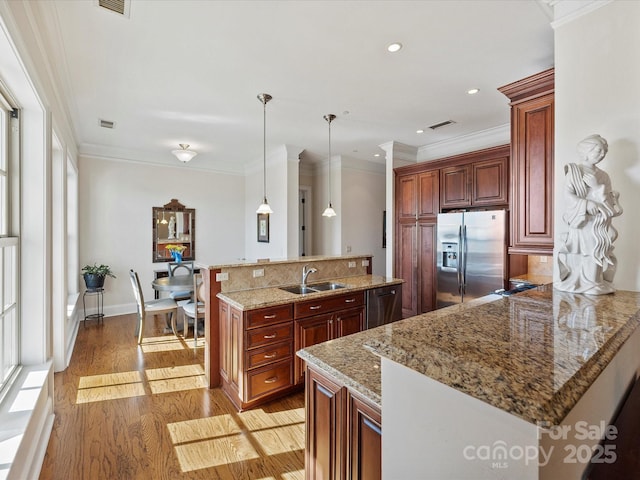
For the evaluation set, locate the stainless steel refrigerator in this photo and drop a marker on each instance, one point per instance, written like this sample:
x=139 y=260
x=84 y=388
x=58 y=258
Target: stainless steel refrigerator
x=471 y=255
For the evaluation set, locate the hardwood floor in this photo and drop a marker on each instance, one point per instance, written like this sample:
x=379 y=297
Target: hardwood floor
x=129 y=412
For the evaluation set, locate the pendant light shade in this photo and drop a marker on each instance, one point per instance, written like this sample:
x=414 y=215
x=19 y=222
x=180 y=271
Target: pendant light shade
x=264 y=206
x=184 y=154
x=329 y=211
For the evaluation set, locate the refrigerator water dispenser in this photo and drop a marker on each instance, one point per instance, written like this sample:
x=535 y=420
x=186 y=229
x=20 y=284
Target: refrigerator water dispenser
x=450 y=255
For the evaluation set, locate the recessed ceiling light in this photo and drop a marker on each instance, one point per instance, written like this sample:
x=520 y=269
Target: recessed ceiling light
x=376 y=154
x=473 y=91
x=394 y=47
x=420 y=131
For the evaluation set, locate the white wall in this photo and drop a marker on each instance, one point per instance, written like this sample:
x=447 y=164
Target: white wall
x=597 y=91
x=363 y=202
x=282 y=194
x=327 y=237
x=116 y=200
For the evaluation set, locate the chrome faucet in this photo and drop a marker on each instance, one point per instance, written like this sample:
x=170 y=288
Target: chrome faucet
x=306 y=272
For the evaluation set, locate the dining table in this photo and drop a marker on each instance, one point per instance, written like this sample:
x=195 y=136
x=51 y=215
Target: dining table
x=178 y=283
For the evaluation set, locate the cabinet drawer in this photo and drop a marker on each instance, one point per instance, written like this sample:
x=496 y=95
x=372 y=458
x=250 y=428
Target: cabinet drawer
x=330 y=304
x=266 y=316
x=270 y=354
x=270 y=334
x=263 y=381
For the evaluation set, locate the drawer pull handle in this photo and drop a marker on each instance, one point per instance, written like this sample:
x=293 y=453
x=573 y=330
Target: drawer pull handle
x=273 y=335
x=268 y=317
x=350 y=300
x=270 y=355
x=315 y=307
x=271 y=379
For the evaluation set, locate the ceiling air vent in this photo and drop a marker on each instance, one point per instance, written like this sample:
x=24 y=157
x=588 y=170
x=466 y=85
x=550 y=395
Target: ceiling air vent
x=120 y=7
x=107 y=124
x=441 y=124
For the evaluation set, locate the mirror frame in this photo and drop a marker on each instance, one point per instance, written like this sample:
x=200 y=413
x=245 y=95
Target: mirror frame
x=174 y=206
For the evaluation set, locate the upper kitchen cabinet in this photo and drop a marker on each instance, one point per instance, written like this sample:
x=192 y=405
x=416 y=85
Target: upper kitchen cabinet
x=483 y=181
x=532 y=110
x=417 y=196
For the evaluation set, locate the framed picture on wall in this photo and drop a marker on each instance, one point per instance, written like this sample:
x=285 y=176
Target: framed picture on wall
x=263 y=227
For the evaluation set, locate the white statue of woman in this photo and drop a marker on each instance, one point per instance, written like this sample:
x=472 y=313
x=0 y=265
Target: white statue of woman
x=172 y=228
x=586 y=262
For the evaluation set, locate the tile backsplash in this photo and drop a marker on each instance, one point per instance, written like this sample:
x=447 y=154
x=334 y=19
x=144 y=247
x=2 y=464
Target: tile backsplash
x=538 y=266
x=281 y=273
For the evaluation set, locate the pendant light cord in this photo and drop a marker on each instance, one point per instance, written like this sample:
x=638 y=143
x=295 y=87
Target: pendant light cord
x=264 y=150
x=329 y=160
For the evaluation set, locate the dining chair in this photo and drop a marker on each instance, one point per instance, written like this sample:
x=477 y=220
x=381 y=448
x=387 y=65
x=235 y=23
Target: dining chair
x=151 y=307
x=180 y=268
x=195 y=309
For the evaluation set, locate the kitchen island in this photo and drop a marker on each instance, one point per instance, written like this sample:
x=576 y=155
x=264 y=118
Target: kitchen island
x=498 y=388
x=258 y=314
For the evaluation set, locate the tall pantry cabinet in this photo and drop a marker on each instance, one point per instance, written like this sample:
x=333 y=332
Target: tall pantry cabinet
x=417 y=208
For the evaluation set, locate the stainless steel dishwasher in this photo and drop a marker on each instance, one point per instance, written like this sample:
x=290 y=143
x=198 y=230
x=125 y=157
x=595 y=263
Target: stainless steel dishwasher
x=384 y=305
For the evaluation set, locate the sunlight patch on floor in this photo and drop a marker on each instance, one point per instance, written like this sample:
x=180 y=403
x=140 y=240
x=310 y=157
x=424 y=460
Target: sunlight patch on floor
x=216 y=452
x=280 y=439
x=203 y=428
x=110 y=386
x=258 y=418
x=175 y=379
x=165 y=343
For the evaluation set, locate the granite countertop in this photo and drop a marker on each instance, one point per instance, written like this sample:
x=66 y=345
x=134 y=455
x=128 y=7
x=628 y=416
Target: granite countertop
x=271 y=296
x=533 y=354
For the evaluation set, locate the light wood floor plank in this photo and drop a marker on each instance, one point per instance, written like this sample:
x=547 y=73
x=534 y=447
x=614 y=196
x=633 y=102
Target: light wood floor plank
x=125 y=411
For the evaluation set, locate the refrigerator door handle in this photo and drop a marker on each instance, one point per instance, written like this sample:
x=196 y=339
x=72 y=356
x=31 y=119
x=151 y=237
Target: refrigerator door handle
x=464 y=259
x=459 y=272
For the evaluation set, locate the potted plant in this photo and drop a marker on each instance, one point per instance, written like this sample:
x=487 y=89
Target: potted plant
x=94 y=275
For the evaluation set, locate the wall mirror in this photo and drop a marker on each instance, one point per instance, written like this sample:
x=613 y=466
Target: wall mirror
x=173 y=224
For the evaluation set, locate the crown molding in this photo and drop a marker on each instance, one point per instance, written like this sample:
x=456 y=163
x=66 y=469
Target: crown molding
x=490 y=137
x=565 y=11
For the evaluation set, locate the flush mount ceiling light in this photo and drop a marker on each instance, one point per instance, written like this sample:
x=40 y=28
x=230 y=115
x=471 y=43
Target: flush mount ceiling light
x=420 y=130
x=329 y=211
x=473 y=91
x=394 y=47
x=264 y=206
x=184 y=155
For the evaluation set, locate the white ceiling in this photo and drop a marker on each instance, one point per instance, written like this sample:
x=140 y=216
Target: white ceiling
x=189 y=72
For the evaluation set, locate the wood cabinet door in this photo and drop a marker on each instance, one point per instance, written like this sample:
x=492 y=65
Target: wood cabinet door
x=364 y=436
x=429 y=194
x=225 y=341
x=532 y=228
x=490 y=182
x=427 y=270
x=406 y=197
x=454 y=186
x=326 y=428
x=348 y=322
x=235 y=348
x=406 y=266
x=310 y=331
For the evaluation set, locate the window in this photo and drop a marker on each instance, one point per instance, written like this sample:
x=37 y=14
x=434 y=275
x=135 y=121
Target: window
x=9 y=315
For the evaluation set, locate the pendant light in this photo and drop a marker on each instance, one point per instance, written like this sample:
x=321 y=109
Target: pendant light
x=329 y=211
x=184 y=154
x=264 y=206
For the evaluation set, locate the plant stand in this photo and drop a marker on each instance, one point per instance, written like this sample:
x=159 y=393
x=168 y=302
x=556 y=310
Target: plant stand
x=99 y=315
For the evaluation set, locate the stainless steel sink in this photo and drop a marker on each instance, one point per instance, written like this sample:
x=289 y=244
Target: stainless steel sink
x=321 y=287
x=298 y=289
